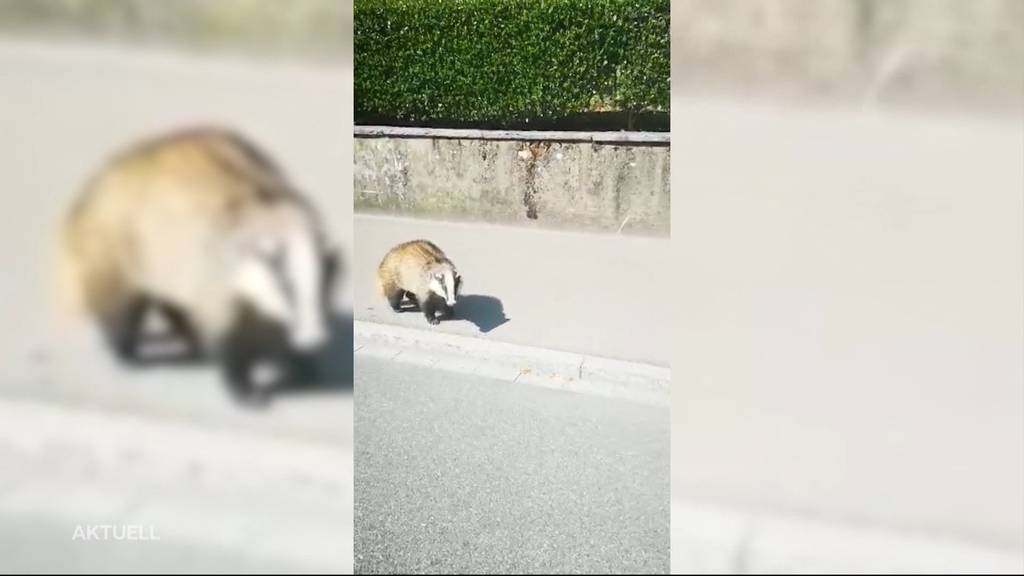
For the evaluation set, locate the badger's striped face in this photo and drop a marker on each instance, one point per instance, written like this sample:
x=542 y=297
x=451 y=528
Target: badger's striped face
x=285 y=279
x=446 y=283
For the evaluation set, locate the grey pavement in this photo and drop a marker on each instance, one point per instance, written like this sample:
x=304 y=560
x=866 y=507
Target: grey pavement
x=853 y=336
x=85 y=441
x=207 y=499
x=601 y=294
x=464 y=473
x=22 y=550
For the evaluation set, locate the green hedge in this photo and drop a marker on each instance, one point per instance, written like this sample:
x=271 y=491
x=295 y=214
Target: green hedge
x=501 y=60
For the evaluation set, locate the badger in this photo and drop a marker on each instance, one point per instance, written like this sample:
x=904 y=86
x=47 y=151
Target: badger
x=204 y=228
x=420 y=271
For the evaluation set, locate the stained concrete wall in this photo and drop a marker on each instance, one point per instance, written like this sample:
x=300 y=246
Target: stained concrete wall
x=585 y=185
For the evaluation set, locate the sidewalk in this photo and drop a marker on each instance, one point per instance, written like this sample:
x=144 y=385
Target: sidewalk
x=603 y=295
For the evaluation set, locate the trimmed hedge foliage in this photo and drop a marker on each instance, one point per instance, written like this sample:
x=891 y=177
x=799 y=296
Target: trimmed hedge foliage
x=507 y=60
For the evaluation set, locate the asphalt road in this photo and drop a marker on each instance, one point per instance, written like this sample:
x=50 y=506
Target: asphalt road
x=464 y=474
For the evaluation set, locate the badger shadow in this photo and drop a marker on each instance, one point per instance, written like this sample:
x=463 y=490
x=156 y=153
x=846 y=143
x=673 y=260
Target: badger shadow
x=486 y=312
x=332 y=369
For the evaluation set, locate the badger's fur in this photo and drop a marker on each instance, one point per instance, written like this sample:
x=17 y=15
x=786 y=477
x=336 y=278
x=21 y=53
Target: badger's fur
x=204 y=227
x=420 y=271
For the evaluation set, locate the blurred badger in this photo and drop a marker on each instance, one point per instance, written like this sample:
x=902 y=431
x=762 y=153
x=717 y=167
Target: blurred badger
x=203 y=227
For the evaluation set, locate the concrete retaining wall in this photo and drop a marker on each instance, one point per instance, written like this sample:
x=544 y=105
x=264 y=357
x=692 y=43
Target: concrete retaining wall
x=564 y=179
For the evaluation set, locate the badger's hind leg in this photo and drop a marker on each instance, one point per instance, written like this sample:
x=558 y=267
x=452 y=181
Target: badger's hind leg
x=181 y=325
x=121 y=323
x=394 y=296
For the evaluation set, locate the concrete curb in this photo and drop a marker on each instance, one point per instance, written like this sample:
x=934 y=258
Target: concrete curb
x=713 y=539
x=632 y=381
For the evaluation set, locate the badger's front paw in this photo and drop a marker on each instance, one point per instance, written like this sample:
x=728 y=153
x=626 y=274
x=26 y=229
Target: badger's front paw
x=434 y=320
